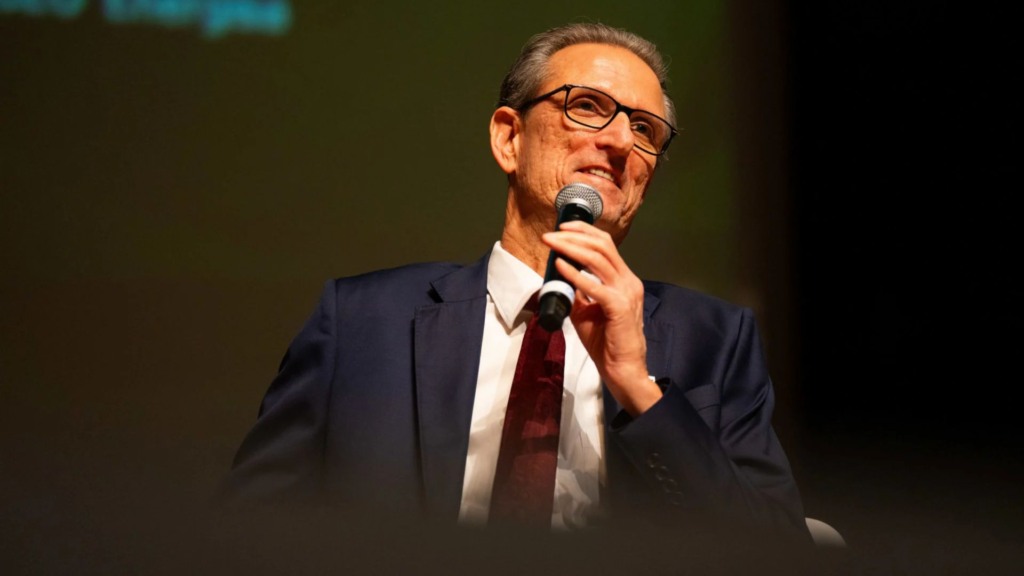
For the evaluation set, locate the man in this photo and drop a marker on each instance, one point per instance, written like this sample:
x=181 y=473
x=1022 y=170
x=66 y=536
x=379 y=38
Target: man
x=393 y=396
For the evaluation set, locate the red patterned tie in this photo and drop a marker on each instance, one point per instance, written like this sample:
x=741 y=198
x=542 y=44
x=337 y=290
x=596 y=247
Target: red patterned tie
x=524 y=481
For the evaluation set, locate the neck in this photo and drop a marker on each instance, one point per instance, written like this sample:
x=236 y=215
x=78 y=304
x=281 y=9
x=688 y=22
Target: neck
x=529 y=253
x=521 y=237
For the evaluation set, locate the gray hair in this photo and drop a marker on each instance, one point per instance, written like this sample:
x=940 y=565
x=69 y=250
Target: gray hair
x=527 y=73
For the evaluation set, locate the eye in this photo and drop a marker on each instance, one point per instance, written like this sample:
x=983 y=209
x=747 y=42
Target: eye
x=642 y=128
x=586 y=106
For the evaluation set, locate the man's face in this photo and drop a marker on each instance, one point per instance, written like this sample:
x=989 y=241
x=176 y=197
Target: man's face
x=553 y=151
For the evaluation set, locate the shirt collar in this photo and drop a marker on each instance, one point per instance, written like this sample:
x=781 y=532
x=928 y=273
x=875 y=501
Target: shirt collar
x=510 y=283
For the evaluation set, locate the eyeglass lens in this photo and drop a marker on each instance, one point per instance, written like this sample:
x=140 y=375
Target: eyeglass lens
x=596 y=110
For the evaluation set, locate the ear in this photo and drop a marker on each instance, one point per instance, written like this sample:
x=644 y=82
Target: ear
x=505 y=138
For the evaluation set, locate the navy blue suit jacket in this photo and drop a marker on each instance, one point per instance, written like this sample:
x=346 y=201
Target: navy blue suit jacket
x=373 y=399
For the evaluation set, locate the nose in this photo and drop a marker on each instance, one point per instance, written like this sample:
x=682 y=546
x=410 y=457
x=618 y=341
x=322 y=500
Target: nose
x=617 y=134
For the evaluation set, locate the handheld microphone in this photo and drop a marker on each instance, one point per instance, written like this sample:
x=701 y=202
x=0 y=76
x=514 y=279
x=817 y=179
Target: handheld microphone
x=574 y=202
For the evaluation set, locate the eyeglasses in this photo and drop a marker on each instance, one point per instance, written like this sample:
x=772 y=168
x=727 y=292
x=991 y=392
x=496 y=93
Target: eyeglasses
x=595 y=109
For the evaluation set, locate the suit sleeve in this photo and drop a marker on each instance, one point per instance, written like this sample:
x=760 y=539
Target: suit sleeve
x=281 y=458
x=708 y=447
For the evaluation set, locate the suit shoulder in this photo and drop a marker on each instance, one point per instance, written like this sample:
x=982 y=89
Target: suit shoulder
x=691 y=306
x=673 y=295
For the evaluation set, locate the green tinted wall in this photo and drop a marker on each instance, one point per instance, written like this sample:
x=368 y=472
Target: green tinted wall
x=354 y=138
x=172 y=199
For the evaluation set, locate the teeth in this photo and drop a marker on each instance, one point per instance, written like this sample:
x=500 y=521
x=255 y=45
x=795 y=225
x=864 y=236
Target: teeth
x=601 y=173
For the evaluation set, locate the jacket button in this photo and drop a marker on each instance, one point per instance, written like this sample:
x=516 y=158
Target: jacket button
x=670 y=485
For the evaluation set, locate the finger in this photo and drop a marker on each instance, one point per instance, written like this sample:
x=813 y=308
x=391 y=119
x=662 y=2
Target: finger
x=601 y=240
x=586 y=283
x=590 y=252
x=623 y=292
x=596 y=239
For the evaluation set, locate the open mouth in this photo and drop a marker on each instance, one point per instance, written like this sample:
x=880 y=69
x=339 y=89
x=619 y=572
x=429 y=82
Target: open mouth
x=601 y=174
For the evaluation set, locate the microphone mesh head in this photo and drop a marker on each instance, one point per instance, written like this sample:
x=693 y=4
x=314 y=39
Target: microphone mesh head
x=577 y=192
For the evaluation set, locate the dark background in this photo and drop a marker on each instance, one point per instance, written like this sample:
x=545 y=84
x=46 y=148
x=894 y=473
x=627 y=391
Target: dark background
x=171 y=204
x=905 y=132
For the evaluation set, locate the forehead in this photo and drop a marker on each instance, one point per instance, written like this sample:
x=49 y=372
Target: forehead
x=613 y=69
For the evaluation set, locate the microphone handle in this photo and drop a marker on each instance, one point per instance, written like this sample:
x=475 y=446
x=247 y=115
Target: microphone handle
x=557 y=294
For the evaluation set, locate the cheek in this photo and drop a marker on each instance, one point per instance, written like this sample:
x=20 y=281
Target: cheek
x=641 y=170
x=549 y=151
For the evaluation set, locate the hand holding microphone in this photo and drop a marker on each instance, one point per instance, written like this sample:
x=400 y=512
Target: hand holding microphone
x=574 y=202
x=611 y=327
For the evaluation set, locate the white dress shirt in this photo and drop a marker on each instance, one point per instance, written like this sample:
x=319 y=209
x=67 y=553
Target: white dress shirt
x=510 y=283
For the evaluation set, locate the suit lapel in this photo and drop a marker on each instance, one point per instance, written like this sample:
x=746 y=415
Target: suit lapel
x=447 y=340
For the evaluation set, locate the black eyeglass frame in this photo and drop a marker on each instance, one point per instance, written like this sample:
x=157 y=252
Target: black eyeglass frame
x=618 y=108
